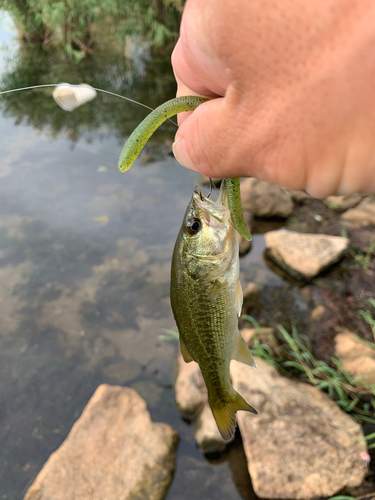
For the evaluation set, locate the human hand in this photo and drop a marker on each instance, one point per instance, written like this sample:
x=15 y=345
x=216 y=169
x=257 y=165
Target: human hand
x=294 y=87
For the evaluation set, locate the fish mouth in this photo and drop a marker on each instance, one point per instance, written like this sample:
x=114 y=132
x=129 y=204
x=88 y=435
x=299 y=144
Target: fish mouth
x=210 y=208
x=198 y=192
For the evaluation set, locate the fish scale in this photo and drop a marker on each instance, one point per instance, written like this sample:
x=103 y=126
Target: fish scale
x=206 y=299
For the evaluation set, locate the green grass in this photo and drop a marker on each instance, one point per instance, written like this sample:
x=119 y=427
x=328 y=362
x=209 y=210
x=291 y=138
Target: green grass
x=169 y=335
x=292 y=355
x=368 y=317
x=363 y=259
x=368 y=496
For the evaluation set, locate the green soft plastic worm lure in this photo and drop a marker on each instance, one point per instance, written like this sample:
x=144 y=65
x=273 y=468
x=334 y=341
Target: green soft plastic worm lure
x=147 y=127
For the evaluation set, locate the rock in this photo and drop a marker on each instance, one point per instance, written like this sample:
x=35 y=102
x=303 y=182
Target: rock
x=304 y=255
x=300 y=196
x=301 y=445
x=318 y=313
x=363 y=214
x=363 y=367
x=356 y=357
x=207 y=435
x=190 y=388
x=243 y=243
x=343 y=202
x=251 y=294
x=265 y=200
x=113 y=451
x=348 y=345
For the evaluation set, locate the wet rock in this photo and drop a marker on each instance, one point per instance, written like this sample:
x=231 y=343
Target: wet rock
x=190 y=388
x=300 y=445
x=113 y=451
x=265 y=200
x=251 y=294
x=343 y=202
x=207 y=435
x=304 y=255
x=363 y=214
x=243 y=244
x=357 y=357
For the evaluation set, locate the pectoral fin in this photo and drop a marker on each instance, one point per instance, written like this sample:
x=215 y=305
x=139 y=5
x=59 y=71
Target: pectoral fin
x=185 y=352
x=217 y=287
x=239 y=298
x=241 y=352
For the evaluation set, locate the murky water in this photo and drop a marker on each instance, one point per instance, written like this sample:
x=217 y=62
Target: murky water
x=84 y=266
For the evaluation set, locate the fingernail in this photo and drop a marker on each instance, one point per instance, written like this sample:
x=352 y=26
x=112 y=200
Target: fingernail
x=181 y=154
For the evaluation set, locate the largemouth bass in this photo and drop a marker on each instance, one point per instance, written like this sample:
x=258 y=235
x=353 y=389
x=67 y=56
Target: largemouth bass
x=206 y=297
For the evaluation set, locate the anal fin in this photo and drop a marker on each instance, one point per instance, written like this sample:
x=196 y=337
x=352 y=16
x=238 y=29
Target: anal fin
x=185 y=353
x=241 y=352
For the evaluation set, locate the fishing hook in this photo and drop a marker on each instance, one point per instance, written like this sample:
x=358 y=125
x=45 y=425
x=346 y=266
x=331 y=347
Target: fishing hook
x=211 y=186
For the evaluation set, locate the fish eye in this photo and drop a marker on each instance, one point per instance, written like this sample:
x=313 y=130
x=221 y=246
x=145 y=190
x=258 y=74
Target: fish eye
x=193 y=225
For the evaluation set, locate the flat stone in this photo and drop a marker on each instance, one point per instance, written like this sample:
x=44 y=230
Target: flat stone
x=265 y=200
x=301 y=445
x=113 y=451
x=343 y=202
x=190 y=389
x=304 y=255
x=356 y=357
x=363 y=214
x=206 y=433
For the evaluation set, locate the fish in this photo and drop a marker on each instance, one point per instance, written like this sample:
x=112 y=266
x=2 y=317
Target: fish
x=206 y=299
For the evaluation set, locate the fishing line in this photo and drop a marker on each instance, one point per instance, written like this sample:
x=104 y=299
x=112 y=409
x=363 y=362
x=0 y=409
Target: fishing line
x=143 y=132
x=98 y=90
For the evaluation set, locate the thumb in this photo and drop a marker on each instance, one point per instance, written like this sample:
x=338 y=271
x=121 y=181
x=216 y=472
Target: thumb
x=212 y=140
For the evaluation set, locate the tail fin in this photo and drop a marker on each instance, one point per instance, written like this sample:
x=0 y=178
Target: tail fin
x=225 y=413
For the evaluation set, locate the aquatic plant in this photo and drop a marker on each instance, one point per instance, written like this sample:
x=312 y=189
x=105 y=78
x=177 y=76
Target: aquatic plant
x=291 y=354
